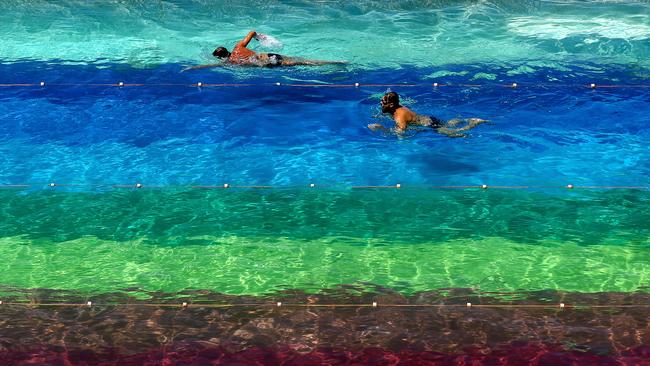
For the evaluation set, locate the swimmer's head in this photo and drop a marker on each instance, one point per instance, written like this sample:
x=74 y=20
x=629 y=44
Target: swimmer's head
x=221 y=52
x=389 y=102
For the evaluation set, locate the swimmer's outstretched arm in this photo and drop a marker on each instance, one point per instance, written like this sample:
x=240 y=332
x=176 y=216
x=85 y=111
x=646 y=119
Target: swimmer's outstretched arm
x=203 y=67
x=377 y=127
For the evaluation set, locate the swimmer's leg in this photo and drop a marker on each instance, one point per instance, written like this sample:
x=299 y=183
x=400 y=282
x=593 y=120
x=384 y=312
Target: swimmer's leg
x=449 y=128
x=450 y=132
x=453 y=122
x=473 y=122
x=297 y=61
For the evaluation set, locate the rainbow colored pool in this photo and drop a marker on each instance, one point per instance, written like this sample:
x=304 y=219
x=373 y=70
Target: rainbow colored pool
x=249 y=216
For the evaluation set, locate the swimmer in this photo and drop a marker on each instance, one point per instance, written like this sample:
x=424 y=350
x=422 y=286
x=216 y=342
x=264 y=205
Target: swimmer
x=405 y=118
x=242 y=56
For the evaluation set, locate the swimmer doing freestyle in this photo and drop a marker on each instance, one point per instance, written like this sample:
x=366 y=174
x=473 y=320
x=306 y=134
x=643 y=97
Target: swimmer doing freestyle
x=405 y=118
x=242 y=56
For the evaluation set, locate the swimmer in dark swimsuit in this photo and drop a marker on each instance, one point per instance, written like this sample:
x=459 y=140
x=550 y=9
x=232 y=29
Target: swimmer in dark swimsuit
x=405 y=118
x=241 y=55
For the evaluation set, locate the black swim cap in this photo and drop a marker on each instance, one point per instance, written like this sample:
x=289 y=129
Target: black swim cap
x=221 y=52
x=391 y=97
x=389 y=102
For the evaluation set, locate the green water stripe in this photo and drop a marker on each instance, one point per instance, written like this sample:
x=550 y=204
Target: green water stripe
x=264 y=265
x=174 y=217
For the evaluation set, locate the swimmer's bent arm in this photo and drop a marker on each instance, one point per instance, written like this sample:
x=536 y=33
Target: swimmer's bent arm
x=400 y=122
x=400 y=125
x=244 y=42
x=377 y=127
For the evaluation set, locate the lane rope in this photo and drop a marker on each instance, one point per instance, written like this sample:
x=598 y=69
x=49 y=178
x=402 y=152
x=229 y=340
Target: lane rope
x=374 y=304
x=314 y=185
x=200 y=84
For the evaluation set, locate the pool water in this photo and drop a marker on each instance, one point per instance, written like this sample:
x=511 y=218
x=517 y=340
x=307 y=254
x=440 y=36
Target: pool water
x=94 y=237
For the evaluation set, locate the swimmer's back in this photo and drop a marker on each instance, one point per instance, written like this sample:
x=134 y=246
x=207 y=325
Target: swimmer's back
x=240 y=54
x=405 y=117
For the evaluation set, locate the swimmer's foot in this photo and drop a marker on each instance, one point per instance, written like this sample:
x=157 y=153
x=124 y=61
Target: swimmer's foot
x=473 y=122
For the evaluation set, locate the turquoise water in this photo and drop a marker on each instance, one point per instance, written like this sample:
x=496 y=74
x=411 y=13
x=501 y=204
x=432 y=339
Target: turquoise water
x=369 y=34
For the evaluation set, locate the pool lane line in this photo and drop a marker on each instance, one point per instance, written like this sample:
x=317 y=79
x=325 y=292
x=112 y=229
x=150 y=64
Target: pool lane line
x=15 y=185
x=326 y=186
x=279 y=304
x=513 y=85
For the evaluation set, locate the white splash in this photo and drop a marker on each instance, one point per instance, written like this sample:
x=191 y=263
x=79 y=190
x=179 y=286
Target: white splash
x=559 y=28
x=269 y=42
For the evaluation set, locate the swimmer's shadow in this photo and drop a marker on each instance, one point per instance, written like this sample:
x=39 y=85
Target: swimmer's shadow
x=442 y=164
